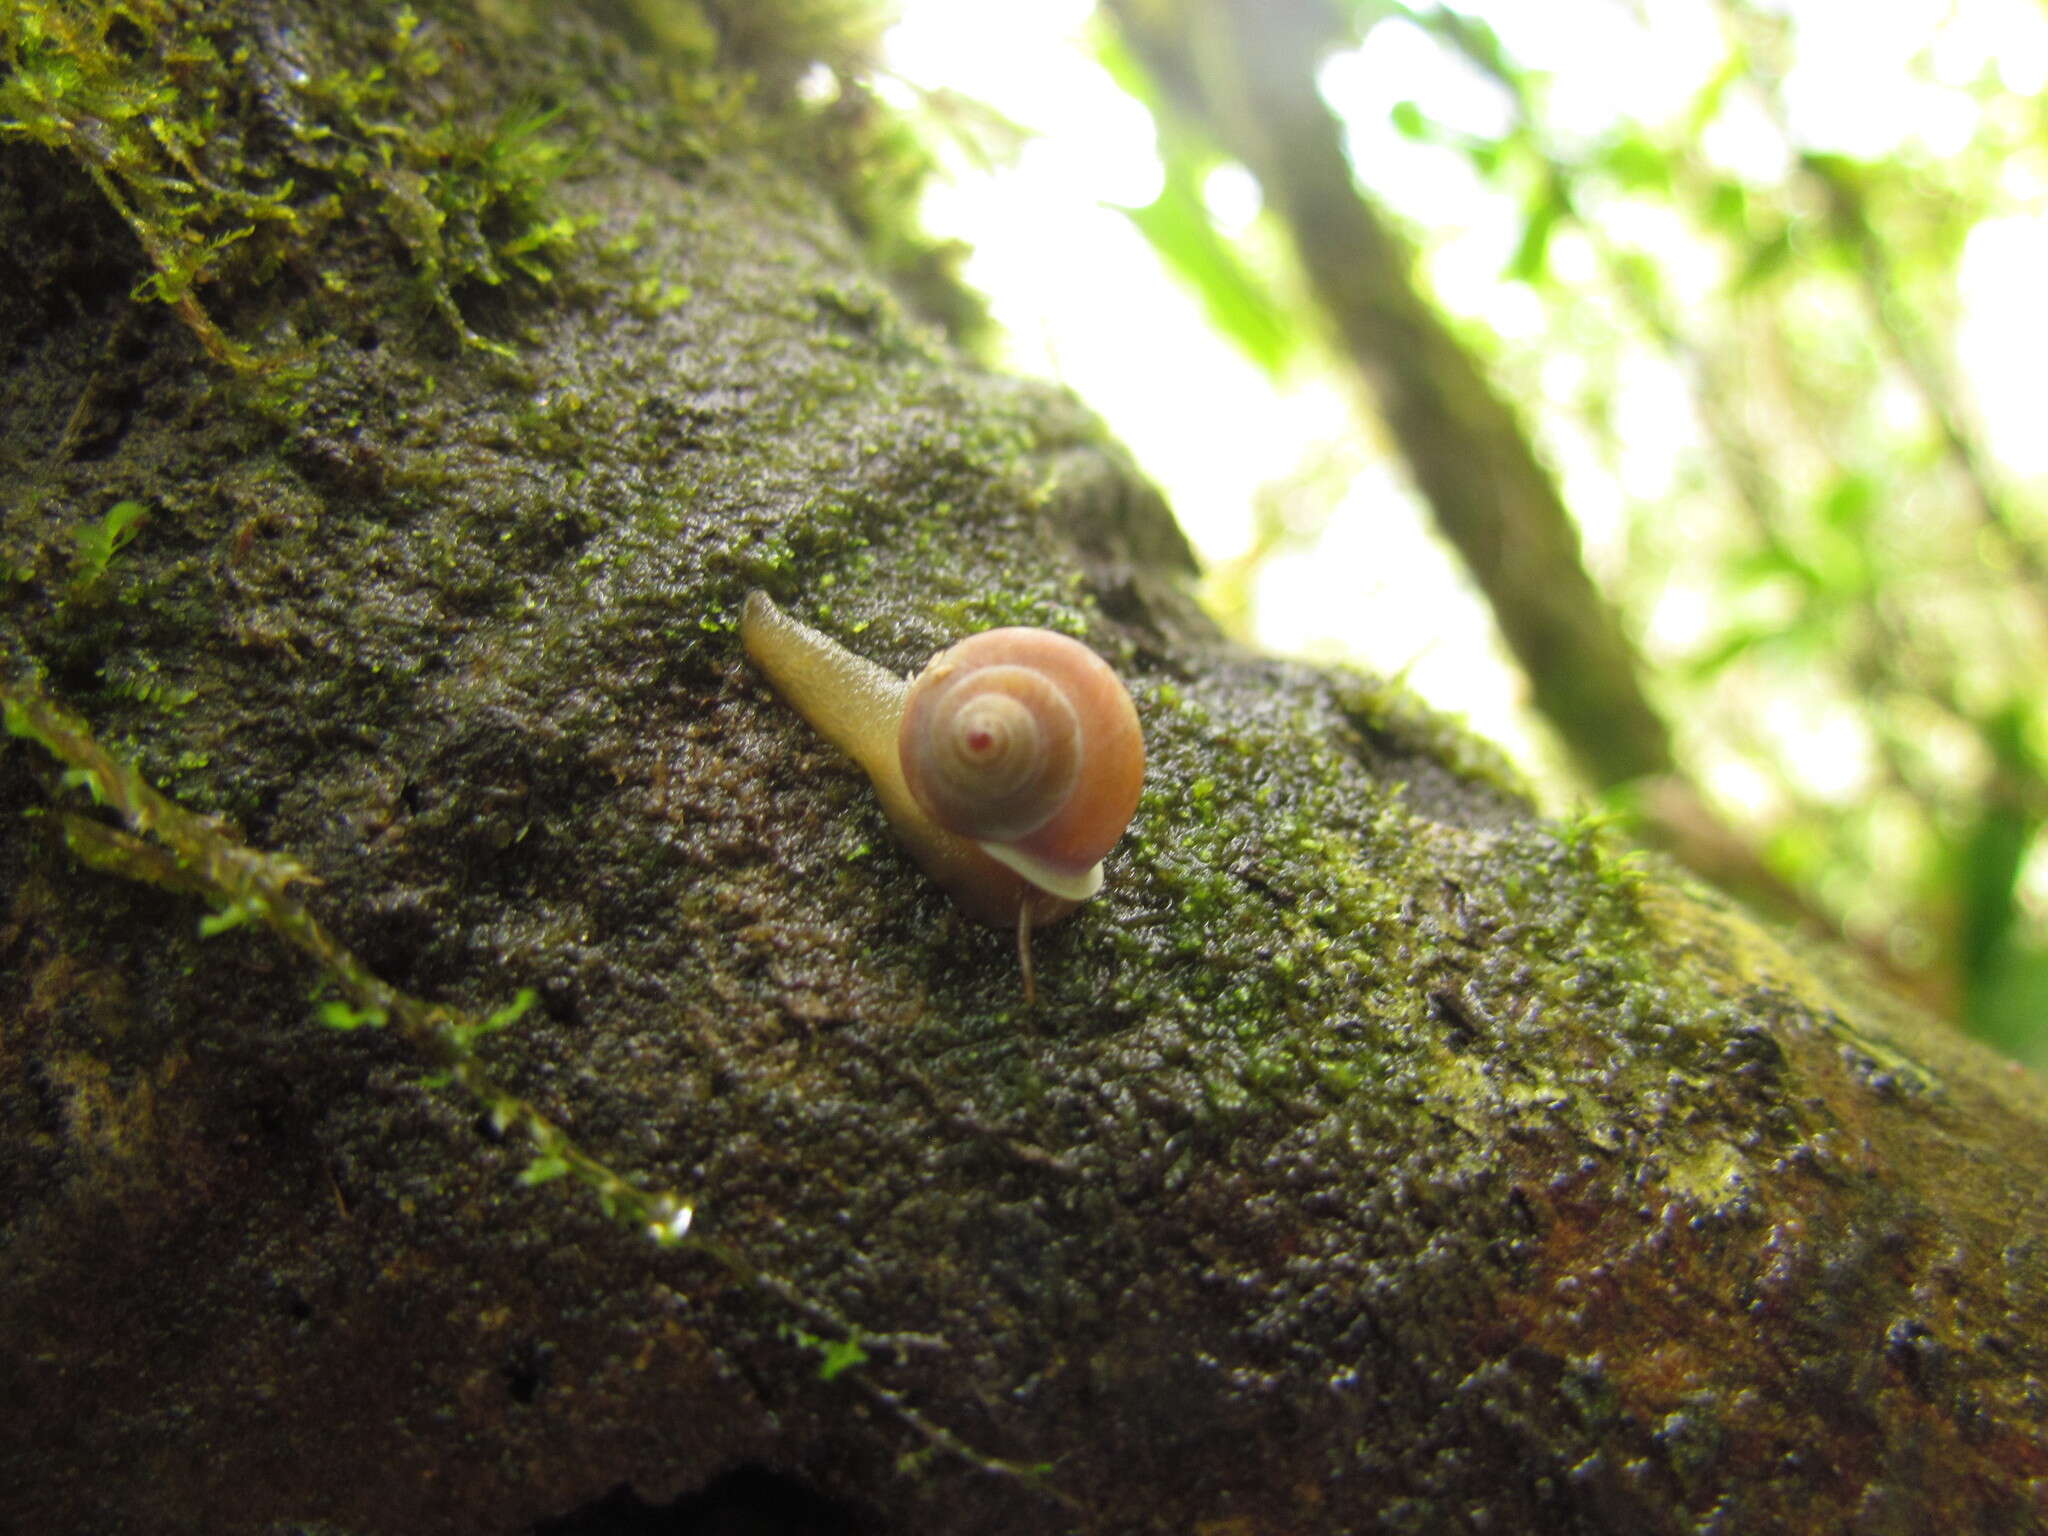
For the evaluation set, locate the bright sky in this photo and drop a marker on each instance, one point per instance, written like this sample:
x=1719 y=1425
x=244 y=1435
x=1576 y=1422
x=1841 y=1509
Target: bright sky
x=1084 y=300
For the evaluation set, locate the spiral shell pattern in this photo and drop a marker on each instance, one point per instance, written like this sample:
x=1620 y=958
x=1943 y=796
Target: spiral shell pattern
x=1025 y=740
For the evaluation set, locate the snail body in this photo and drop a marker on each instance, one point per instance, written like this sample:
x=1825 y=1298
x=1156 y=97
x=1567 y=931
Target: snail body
x=1008 y=768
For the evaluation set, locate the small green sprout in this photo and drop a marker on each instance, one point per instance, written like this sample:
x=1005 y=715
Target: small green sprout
x=468 y=1032
x=233 y=915
x=544 y=1169
x=835 y=1355
x=336 y=1014
x=99 y=541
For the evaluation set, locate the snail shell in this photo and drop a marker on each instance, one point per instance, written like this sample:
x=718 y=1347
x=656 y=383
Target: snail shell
x=1008 y=768
x=1025 y=742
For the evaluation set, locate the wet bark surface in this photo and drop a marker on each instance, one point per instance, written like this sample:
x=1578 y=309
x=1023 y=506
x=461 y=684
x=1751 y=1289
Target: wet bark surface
x=1379 y=1156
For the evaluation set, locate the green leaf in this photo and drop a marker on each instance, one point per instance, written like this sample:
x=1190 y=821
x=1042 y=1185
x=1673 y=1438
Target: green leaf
x=466 y=1032
x=1532 y=253
x=842 y=1356
x=1727 y=209
x=336 y=1014
x=1849 y=502
x=510 y=1014
x=1706 y=106
x=1733 y=645
x=836 y=1355
x=1769 y=254
x=1487 y=155
x=543 y=1169
x=98 y=542
x=221 y=921
x=1773 y=562
x=1239 y=302
x=1640 y=276
x=1634 y=162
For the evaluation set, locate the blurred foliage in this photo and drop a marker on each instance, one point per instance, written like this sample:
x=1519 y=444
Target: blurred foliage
x=1747 y=340
x=1237 y=292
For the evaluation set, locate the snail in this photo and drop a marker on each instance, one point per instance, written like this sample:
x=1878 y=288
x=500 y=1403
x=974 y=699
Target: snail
x=1009 y=767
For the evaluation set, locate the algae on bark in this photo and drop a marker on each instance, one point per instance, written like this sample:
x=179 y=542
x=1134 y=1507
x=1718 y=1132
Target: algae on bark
x=1379 y=1156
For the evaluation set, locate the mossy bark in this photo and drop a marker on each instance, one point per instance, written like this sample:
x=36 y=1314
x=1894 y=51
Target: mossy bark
x=1378 y=1155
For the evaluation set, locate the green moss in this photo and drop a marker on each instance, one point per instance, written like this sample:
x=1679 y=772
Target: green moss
x=1384 y=707
x=166 y=845
x=459 y=638
x=136 y=92
x=1047 y=605
x=97 y=542
x=133 y=93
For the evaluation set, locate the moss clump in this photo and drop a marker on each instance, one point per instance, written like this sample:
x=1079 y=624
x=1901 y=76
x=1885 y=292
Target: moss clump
x=142 y=95
x=395 y=133
x=133 y=93
x=98 y=541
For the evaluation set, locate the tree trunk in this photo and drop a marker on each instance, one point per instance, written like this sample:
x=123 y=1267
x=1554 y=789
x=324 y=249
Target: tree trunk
x=1377 y=1156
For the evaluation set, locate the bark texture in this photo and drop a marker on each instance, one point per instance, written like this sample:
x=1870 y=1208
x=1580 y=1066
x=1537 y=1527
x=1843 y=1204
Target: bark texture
x=1379 y=1157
